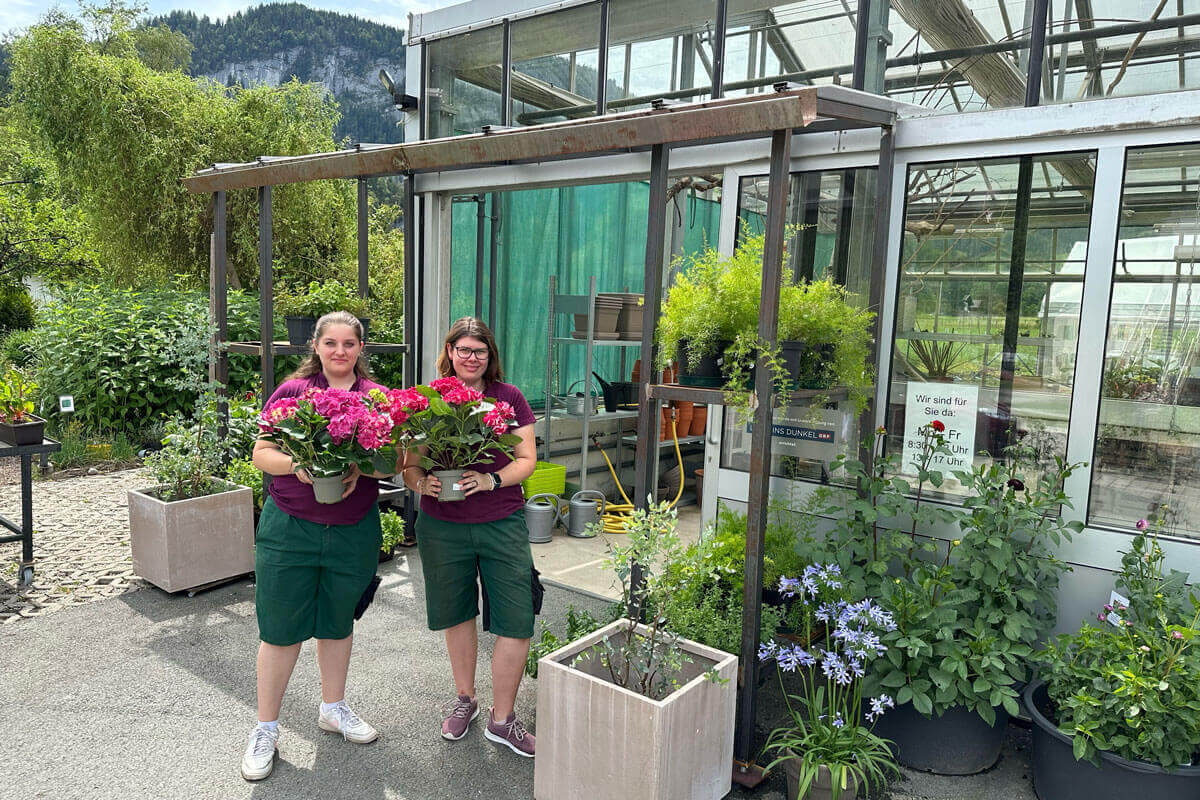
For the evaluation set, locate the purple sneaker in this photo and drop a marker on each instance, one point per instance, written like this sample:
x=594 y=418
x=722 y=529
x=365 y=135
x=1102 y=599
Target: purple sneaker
x=459 y=714
x=510 y=733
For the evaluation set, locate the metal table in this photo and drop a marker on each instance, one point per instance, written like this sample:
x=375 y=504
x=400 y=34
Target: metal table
x=24 y=532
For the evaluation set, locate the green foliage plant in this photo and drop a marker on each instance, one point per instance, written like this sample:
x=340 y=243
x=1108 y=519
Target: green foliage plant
x=19 y=348
x=938 y=360
x=17 y=394
x=1131 y=685
x=649 y=660
x=580 y=623
x=191 y=455
x=244 y=473
x=16 y=309
x=319 y=298
x=393 y=530
x=831 y=718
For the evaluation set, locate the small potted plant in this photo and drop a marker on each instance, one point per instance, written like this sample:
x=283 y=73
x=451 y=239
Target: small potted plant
x=1119 y=713
x=302 y=307
x=190 y=529
x=458 y=426
x=393 y=534
x=328 y=431
x=18 y=425
x=642 y=685
x=829 y=749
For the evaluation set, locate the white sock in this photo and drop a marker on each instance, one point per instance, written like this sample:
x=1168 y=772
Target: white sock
x=272 y=726
x=327 y=707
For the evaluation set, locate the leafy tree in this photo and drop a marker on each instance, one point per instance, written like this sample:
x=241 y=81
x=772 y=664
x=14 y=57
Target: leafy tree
x=162 y=49
x=123 y=135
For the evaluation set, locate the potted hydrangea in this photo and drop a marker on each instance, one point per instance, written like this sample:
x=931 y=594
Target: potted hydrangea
x=1118 y=715
x=458 y=426
x=829 y=749
x=328 y=431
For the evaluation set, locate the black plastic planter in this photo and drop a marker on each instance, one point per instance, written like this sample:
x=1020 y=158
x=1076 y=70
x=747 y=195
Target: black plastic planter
x=708 y=372
x=957 y=743
x=808 y=367
x=23 y=433
x=300 y=329
x=1058 y=776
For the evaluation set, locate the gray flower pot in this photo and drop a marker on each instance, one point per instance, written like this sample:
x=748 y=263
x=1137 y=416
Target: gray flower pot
x=328 y=489
x=450 y=479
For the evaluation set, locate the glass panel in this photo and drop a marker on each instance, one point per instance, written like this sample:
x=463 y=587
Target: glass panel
x=970 y=82
x=659 y=49
x=809 y=42
x=1133 y=62
x=555 y=65
x=833 y=213
x=463 y=93
x=961 y=297
x=1149 y=426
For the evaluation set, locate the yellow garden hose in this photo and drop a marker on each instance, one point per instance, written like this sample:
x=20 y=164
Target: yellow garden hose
x=615 y=518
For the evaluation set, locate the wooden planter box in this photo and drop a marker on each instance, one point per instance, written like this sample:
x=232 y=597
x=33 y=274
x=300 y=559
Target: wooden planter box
x=598 y=741
x=189 y=543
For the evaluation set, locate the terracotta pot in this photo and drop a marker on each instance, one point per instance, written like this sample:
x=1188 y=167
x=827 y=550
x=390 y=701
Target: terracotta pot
x=684 y=409
x=699 y=421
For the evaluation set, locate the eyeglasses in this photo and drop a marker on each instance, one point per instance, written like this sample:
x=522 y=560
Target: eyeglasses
x=466 y=352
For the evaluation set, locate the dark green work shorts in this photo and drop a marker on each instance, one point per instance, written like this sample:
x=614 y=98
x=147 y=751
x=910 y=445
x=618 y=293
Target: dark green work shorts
x=453 y=553
x=310 y=576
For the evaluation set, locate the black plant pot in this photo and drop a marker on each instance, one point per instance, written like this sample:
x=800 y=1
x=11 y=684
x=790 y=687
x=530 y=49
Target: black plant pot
x=366 y=326
x=23 y=433
x=300 y=329
x=807 y=367
x=957 y=743
x=1058 y=776
x=387 y=555
x=710 y=369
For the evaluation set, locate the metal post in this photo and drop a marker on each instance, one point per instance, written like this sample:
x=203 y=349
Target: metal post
x=647 y=447
x=879 y=267
x=871 y=40
x=1016 y=285
x=266 y=311
x=841 y=244
x=220 y=310
x=411 y=354
x=1037 y=52
x=760 y=448
x=480 y=217
x=809 y=196
x=493 y=260
x=364 y=251
x=506 y=75
x=602 y=60
x=860 y=44
x=718 y=63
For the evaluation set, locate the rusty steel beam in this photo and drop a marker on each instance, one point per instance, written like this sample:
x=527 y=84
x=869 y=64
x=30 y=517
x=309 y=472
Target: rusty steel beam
x=727 y=118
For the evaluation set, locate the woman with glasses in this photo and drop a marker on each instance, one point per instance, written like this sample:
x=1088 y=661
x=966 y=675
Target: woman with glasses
x=480 y=537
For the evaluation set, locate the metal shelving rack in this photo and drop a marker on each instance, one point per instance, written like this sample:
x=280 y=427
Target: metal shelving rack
x=578 y=304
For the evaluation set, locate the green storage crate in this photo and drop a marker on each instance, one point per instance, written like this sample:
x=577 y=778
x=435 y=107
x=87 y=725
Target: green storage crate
x=546 y=478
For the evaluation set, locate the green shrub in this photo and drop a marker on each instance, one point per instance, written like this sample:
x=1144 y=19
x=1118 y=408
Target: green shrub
x=20 y=347
x=244 y=473
x=320 y=298
x=16 y=309
x=393 y=530
x=129 y=357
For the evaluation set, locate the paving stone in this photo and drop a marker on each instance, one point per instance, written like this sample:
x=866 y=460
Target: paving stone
x=80 y=543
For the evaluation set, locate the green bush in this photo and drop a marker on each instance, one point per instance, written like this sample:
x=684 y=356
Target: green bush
x=20 y=347
x=16 y=309
x=244 y=473
x=129 y=357
x=393 y=530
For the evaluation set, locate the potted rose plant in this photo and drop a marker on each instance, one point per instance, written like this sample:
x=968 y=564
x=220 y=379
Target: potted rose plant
x=18 y=425
x=328 y=431
x=458 y=426
x=1119 y=713
x=829 y=749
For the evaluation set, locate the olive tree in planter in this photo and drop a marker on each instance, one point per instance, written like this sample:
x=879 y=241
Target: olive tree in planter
x=1119 y=713
x=633 y=710
x=190 y=528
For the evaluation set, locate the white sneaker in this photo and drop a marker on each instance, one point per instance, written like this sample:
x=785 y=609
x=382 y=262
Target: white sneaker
x=261 y=753
x=342 y=719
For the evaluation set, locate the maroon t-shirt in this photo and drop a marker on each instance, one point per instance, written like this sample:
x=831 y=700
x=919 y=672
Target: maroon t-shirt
x=296 y=498
x=494 y=505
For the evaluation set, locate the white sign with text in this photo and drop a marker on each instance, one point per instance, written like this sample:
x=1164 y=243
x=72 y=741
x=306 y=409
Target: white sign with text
x=956 y=405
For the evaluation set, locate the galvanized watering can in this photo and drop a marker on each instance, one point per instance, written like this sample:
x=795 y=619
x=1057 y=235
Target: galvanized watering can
x=585 y=508
x=542 y=513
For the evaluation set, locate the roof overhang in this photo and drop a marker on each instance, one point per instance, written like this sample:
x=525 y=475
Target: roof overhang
x=808 y=109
